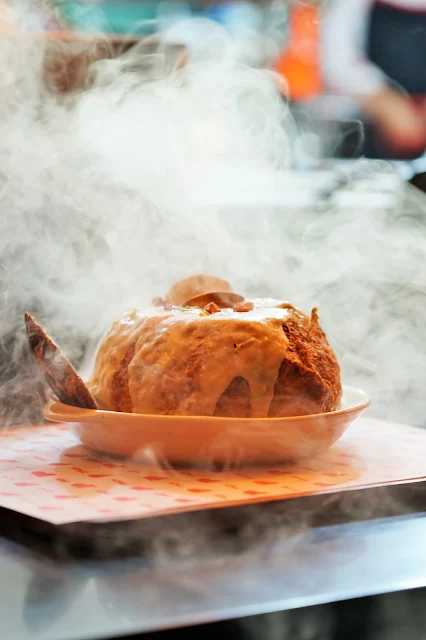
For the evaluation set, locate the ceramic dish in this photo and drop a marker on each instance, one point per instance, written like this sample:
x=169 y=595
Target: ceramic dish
x=207 y=440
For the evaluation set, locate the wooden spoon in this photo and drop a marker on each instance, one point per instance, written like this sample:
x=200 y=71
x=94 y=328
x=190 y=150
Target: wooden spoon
x=58 y=371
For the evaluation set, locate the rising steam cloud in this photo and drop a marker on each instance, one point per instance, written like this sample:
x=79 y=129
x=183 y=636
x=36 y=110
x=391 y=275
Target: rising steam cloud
x=97 y=215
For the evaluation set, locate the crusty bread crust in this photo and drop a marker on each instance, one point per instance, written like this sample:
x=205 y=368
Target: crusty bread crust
x=229 y=364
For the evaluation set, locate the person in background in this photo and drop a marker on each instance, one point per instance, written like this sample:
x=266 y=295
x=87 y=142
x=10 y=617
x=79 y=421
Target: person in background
x=375 y=52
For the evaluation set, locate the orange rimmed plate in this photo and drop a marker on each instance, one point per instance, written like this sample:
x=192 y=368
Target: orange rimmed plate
x=209 y=440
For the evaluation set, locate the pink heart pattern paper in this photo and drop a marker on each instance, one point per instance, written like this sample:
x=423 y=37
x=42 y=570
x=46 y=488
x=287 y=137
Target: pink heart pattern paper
x=45 y=473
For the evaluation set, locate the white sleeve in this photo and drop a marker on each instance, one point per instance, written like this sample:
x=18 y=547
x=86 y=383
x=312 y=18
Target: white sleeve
x=343 y=42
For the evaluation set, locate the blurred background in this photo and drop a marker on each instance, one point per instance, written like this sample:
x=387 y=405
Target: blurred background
x=332 y=187
x=350 y=70
x=335 y=223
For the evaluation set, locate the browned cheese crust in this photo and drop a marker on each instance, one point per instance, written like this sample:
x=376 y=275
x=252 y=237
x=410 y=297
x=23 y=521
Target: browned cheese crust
x=268 y=361
x=309 y=377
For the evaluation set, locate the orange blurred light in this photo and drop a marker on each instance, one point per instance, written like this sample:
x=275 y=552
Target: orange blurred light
x=299 y=63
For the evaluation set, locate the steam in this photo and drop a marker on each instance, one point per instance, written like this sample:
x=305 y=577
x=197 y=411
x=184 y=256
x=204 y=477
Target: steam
x=97 y=215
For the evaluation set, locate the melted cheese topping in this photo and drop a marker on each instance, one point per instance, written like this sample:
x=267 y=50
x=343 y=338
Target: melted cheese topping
x=181 y=361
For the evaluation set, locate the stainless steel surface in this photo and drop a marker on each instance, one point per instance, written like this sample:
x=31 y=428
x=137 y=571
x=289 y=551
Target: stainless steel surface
x=46 y=600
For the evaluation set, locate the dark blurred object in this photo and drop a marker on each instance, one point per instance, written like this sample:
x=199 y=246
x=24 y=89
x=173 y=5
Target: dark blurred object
x=67 y=62
x=373 y=52
x=419 y=181
x=398 y=127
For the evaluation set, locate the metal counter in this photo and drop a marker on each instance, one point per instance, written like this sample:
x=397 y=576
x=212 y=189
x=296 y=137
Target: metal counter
x=47 y=599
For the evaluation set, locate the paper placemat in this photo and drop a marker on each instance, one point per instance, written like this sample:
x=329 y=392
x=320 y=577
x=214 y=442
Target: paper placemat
x=45 y=473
